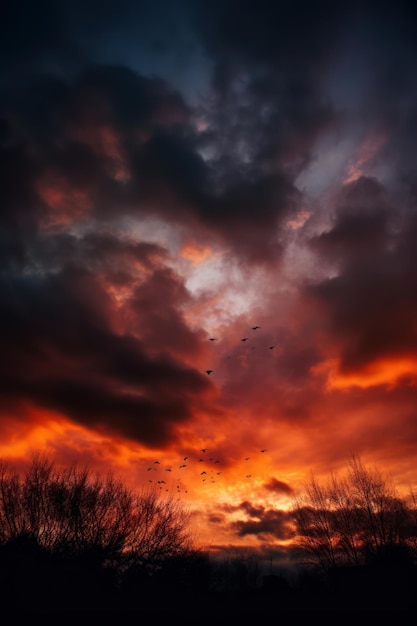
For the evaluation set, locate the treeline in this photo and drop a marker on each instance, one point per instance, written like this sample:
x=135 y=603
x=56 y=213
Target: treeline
x=358 y=540
x=69 y=538
x=73 y=540
x=355 y=520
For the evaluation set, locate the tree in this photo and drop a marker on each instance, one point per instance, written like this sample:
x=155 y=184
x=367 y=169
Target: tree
x=83 y=523
x=353 y=520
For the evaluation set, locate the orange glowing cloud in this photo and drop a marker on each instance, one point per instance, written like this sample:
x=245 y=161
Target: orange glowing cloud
x=388 y=372
x=195 y=253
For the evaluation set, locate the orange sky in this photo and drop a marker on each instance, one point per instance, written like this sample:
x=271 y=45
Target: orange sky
x=179 y=196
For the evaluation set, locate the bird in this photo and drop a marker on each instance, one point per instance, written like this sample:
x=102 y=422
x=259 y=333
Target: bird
x=212 y=338
x=156 y=462
x=247 y=458
x=271 y=347
x=185 y=458
x=203 y=473
x=168 y=469
x=244 y=339
x=209 y=372
x=203 y=449
x=255 y=327
x=264 y=450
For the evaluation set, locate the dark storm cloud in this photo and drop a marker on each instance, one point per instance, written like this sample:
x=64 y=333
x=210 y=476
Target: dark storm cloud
x=371 y=303
x=86 y=145
x=270 y=63
x=264 y=522
x=278 y=486
x=259 y=521
x=79 y=132
x=60 y=351
x=262 y=133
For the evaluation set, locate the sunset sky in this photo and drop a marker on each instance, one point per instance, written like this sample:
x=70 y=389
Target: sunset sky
x=224 y=186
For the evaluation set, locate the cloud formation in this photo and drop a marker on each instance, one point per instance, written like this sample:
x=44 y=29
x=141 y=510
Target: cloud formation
x=175 y=172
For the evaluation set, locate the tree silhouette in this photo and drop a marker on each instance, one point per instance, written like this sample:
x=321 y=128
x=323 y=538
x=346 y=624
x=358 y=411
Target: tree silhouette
x=354 y=520
x=77 y=533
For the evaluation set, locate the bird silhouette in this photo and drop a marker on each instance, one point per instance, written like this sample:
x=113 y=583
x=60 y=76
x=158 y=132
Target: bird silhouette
x=209 y=372
x=264 y=450
x=244 y=339
x=204 y=450
x=212 y=339
x=255 y=327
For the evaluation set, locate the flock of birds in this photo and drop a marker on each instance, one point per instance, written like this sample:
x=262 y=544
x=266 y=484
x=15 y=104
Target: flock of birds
x=208 y=473
x=210 y=470
x=244 y=339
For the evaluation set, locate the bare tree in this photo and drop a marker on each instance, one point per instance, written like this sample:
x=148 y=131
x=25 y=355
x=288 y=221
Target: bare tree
x=72 y=511
x=313 y=516
x=352 y=520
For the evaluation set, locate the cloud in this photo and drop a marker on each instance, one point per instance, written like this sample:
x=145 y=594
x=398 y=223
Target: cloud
x=369 y=301
x=263 y=523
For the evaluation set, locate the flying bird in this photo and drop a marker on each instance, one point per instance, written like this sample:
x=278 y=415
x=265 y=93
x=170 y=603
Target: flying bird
x=213 y=339
x=209 y=372
x=244 y=339
x=264 y=450
x=204 y=450
x=255 y=327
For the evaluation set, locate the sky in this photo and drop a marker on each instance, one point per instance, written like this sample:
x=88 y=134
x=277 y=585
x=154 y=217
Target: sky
x=208 y=260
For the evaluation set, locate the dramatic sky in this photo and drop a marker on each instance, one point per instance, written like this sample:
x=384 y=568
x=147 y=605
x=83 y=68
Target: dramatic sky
x=227 y=187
